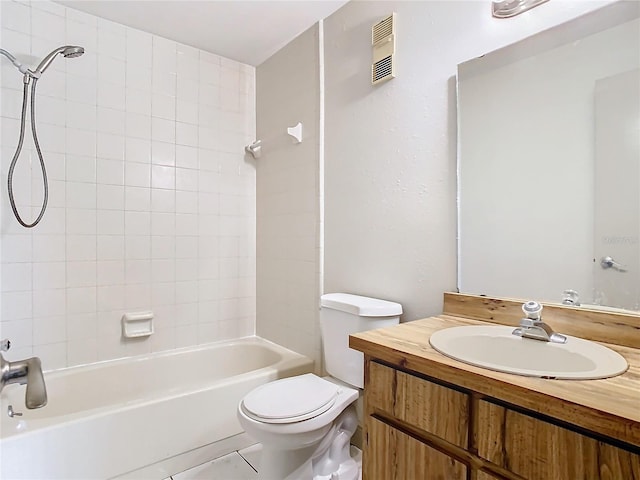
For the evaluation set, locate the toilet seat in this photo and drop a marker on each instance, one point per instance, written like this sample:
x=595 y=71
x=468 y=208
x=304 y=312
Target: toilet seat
x=290 y=400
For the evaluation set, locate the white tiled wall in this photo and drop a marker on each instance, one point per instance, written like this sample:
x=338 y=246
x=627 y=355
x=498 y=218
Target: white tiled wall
x=152 y=202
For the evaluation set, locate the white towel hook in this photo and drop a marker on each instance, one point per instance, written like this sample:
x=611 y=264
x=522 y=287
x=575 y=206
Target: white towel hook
x=296 y=132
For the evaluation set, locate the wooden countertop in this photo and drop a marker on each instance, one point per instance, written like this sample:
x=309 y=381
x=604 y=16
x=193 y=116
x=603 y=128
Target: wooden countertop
x=609 y=407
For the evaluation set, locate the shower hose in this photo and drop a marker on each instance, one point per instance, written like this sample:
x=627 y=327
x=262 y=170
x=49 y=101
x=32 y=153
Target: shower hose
x=14 y=161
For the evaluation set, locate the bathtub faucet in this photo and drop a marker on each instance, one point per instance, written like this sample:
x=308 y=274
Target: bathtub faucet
x=27 y=371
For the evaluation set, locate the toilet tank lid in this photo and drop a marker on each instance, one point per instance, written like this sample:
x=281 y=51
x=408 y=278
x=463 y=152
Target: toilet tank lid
x=358 y=305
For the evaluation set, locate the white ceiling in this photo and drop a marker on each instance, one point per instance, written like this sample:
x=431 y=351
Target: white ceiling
x=246 y=31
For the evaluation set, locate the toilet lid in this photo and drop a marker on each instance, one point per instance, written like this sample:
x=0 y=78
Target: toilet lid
x=291 y=399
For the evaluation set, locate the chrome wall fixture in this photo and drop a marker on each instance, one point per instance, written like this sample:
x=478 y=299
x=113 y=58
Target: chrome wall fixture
x=27 y=371
x=511 y=8
x=608 y=262
x=255 y=148
x=30 y=78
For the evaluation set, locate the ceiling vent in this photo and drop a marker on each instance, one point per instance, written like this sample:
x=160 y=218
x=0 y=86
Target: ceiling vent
x=383 y=41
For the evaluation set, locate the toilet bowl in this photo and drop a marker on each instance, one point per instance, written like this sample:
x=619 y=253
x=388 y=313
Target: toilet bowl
x=305 y=423
x=292 y=432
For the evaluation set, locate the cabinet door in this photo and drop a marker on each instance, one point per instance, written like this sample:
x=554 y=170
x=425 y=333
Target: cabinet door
x=423 y=404
x=539 y=450
x=390 y=454
x=487 y=476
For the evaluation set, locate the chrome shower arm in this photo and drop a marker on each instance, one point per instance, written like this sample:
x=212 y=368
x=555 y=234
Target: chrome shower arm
x=69 y=51
x=24 y=70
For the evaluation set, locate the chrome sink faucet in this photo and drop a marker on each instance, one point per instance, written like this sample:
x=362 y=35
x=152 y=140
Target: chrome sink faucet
x=27 y=371
x=532 y=326
x=571 y=298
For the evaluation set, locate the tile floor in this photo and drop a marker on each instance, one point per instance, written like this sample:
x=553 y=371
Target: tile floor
x=240 y=465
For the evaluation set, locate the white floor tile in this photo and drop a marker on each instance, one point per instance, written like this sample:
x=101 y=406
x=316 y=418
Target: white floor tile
x=229 y=467
x=252 y=454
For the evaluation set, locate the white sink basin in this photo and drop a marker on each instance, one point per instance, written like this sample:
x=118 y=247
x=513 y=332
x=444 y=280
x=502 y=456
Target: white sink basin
x=495 y=348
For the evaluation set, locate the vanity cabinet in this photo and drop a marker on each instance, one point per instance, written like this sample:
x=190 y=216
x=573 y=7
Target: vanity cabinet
x=487 y=476
x=393 y=454
x=417 y=427
x=533 y=448
x=395 y=394
x=394 y=451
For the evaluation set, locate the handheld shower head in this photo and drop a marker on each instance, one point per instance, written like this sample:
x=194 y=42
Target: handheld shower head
x=68 y=51
x=30 y=80
x=72 y=51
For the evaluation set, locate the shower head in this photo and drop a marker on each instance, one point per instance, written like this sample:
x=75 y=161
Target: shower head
x=68 y=51
x=72 y=52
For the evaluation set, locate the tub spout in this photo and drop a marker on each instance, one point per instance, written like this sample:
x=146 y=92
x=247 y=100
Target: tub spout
x=27 y=371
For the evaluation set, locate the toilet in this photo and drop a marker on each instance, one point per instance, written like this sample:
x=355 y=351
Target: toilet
x=305 y=423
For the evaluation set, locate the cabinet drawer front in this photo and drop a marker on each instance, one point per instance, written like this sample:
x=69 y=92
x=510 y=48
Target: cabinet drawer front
x=418 y=402
x=536 y=449
x=393 y=455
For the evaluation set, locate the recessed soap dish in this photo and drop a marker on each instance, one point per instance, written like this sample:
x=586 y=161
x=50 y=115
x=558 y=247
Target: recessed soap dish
x=137 y=324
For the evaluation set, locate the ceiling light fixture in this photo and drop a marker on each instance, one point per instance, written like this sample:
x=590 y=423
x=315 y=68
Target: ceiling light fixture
x=511 y=8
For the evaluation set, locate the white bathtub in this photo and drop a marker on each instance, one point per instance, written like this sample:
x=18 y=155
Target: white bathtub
x=130 y=417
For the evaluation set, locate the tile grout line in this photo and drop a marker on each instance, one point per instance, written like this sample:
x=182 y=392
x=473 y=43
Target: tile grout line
x=248 y=463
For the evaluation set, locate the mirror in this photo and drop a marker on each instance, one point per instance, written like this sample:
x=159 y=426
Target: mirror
x=549 y=164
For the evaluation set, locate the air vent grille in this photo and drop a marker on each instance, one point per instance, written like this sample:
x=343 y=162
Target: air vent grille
x=382 y=70
x=383 y=38
x=381 y=30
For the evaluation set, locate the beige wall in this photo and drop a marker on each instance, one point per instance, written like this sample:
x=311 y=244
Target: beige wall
x=288 y=218
x=390 y=179
x=390 y=171
x=390 y=160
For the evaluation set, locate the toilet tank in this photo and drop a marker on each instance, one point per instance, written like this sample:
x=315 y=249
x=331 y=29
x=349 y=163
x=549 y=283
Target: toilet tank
x=342 y=314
